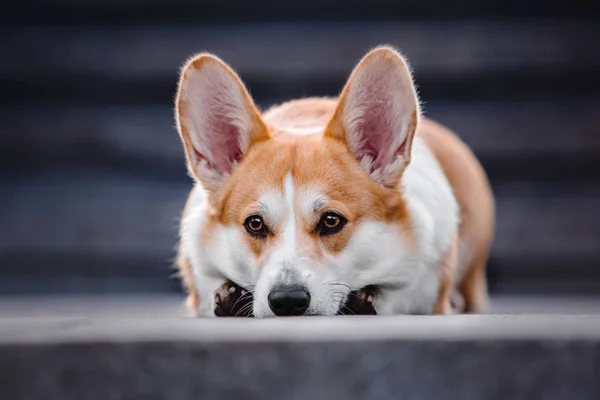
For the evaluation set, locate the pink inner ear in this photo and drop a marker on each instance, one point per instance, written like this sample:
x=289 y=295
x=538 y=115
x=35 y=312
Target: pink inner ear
x=377 y=133
x=218 y=119
x=224 y=144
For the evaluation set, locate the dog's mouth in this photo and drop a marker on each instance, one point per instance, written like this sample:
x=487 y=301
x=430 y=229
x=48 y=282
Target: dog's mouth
x=233 y=300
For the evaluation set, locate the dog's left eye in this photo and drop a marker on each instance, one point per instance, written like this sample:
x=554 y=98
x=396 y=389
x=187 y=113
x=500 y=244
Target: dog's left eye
x=255 y=226
x=330 y=223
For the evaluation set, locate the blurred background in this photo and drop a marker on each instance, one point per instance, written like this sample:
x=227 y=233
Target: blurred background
x=92 y=174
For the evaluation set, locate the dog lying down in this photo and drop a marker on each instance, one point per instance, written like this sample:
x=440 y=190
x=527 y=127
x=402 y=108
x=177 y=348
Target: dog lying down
x=316 y=202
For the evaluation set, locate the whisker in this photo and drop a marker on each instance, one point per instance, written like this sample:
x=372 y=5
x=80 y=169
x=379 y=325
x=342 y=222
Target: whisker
x=341 y=294
x=242 y=310
x=262 y=204
x=240 y=298
x=349 y=310
x=343 y=306
x=246 y=308
x=339 y=284
x=340 y=297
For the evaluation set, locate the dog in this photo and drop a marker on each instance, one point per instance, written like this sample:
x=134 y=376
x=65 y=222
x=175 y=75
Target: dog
x=303 y=206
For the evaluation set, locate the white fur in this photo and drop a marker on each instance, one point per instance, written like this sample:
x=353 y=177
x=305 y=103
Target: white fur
x=435 y=217
x=311 y=130
x=217 y=259
x=289 y=266
x=283 y=260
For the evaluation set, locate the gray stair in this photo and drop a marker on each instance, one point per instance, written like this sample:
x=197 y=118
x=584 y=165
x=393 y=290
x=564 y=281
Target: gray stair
x=474 y=357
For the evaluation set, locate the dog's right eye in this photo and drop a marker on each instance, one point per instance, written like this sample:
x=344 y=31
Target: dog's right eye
x=330 y=223
x=255 y=226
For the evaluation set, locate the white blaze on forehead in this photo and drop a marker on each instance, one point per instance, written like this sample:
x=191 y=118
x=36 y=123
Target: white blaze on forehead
x=288 y=237
x=278 y=209
x=281 y=261
x=282 y=209
x=312 y=130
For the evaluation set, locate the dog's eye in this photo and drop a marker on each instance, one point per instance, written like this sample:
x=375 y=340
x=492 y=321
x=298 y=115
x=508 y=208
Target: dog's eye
x=330 y=223
x=255 y=226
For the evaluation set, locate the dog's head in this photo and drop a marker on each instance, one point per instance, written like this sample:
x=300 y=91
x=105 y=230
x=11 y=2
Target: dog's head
x=302 y=219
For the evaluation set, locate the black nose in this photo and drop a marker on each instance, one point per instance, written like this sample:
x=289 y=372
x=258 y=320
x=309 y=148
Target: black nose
x=289 y=301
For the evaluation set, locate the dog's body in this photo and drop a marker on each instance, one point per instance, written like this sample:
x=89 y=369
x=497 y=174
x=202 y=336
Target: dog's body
x=344 y=193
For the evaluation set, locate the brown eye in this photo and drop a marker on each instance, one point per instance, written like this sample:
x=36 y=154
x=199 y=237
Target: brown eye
x=330 y=223
x=255 y=226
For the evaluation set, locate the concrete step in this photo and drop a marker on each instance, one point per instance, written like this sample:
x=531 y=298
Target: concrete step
x=131 y=305
x=456 y=357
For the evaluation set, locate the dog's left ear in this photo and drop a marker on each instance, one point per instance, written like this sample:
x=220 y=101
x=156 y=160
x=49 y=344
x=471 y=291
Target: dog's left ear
x=377 y=115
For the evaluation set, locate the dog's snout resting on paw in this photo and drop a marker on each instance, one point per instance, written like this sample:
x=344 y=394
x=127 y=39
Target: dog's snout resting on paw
x=232 y=300
x=328 y=206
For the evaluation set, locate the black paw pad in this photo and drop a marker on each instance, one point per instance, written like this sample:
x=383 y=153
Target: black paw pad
x=233 y=300
x=360 y=302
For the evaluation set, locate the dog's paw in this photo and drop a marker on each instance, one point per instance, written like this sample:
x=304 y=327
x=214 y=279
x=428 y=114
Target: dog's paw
x=232 y=300
x=360 y=302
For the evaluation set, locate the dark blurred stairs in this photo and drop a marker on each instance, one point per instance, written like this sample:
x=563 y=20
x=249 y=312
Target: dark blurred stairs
x=92 y=176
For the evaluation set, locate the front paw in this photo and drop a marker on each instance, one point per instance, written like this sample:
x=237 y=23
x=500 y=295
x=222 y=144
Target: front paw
x=232 y=300
x=360 y=302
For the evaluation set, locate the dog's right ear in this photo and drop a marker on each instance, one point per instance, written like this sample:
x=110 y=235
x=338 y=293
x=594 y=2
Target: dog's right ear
x=216 y=119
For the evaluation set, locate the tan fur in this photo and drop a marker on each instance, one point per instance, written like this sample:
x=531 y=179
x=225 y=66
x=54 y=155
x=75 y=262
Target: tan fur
x=447 y=271
x=346 y=185
x=350 y=189
x=474 y=195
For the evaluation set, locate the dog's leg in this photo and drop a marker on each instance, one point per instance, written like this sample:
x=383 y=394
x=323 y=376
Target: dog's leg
x=187 y=279
x=447 y=271
x=474 y=287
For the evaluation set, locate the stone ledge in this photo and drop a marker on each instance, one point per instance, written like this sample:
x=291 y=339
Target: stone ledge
x=306 y=330
x=475 y=357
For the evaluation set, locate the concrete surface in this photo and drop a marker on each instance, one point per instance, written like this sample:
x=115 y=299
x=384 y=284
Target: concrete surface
x=173 y=305
x=458 y=357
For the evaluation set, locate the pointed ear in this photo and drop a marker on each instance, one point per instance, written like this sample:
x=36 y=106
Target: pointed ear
x=216 y=119
x=377 y=115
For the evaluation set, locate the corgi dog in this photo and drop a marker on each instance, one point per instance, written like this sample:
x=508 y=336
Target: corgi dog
x=319 y=197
